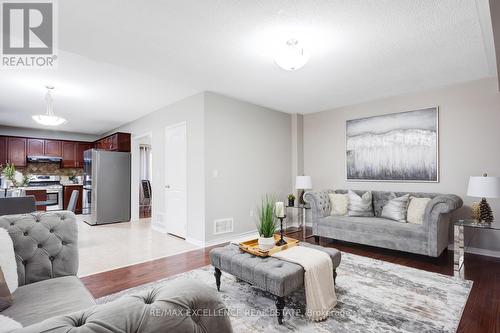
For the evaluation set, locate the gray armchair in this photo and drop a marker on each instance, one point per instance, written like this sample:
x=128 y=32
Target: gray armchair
x=430 y=238
x=50 y=297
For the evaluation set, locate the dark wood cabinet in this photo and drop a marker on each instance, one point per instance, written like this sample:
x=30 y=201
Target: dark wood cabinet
x=53 y=148
x=40 y=195
x=3 y=150
x=17 y=151
x=36 y=147
x=69 y=155
x=80 y=149
x=67 y=190
x=115 y=142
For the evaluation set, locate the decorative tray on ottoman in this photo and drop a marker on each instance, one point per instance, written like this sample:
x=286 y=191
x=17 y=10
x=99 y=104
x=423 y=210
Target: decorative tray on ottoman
x=252 y=246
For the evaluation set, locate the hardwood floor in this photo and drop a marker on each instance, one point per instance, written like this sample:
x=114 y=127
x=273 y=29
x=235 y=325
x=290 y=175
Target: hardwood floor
x=481 y=313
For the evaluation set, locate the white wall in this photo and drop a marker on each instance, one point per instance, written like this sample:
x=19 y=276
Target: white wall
x=469 y=143
x=249 y=147
x=190 y=110
x=46 y=134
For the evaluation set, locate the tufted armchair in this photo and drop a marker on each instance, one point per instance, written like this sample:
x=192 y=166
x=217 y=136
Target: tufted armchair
x=50 y=297
x=46 y=245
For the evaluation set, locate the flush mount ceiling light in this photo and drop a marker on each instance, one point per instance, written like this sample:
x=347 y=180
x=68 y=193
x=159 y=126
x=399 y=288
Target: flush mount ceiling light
x=291 y=56
x=49 y=118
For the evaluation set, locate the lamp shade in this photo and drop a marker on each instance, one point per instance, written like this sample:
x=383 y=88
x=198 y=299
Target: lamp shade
x=303 y=183
x=484 y=187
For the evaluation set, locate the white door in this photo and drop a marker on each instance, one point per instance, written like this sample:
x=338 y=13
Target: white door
x=176 y=180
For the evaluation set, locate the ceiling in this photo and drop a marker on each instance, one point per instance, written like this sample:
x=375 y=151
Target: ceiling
x=120 y=60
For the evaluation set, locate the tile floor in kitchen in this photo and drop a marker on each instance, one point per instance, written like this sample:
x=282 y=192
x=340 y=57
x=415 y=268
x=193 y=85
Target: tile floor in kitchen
x=110 y=246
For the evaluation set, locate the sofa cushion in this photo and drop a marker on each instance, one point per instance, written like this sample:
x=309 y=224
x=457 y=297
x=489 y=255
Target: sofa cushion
x=41 y=300
x=182 y=305
x=374 y=225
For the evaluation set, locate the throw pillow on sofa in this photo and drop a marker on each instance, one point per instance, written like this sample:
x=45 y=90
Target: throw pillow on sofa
x=360 y=205
x=396 y=208
x=8 y=260
x=416 y=209
x=339 y=203
x=8 y=324
x=5 y=296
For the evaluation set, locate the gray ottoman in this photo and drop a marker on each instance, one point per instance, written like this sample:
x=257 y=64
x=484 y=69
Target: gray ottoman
x=275 y=276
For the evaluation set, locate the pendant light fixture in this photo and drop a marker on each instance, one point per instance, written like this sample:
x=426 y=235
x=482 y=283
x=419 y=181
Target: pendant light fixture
x=49 y=118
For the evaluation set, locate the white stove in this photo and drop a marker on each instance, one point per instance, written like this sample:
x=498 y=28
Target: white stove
x=52 y=185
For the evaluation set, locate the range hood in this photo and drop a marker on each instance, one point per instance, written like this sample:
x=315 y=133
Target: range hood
x=44 y=159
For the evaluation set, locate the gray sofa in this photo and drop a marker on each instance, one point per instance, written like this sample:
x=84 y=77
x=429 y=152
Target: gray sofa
x=430 y=238
x=50 y=297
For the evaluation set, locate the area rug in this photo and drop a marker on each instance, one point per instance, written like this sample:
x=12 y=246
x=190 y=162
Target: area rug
x=373 y=296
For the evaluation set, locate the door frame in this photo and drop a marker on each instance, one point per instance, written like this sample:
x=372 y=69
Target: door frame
x=134 y=175
x=179 y=124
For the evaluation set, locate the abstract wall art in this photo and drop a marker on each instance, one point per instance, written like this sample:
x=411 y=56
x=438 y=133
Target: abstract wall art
x=394 y=147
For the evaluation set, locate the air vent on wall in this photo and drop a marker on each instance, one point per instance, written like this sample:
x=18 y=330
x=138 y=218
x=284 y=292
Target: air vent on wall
x=223 y=226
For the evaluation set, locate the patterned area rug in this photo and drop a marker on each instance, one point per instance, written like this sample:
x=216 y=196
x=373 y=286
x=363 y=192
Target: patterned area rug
x=373 y=296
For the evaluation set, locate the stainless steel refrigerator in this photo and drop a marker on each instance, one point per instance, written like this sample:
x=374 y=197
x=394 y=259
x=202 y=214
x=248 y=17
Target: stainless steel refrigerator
x=106 y=186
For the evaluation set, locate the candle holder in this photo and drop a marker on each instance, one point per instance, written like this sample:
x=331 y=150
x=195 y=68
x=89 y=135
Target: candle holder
x=281 y=241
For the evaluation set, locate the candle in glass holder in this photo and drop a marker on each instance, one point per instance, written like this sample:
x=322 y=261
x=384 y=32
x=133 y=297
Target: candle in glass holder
x=280 y=209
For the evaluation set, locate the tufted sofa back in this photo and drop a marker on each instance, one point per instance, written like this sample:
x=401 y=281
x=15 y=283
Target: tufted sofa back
x=320 y=200
x=45 y=244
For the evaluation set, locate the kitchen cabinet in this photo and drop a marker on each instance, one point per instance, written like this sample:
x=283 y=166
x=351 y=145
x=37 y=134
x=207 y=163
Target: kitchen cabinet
x=35 y=147
x=115 y=142
x=67 y=190
x=17 y=151
x=81 y=147
x=53 y=148
x=40 y=195
x=3 y=150
x=69 y=159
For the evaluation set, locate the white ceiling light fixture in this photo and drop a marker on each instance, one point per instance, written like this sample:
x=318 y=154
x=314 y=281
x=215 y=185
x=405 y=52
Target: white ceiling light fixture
x=49 y=118
x=291 y=56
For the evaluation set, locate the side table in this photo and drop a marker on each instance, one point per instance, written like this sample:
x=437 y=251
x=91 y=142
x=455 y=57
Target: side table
x=459 y=242
x=302 y=208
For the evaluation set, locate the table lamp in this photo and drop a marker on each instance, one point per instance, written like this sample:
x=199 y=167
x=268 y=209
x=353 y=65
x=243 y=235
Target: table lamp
x=484 y=187
x=303 y=183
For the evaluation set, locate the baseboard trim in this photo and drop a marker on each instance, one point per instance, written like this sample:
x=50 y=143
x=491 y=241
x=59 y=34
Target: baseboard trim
x=195 y=241
x=226 y=239
x=479 y=251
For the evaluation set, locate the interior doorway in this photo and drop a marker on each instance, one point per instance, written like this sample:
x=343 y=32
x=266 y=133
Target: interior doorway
x=142 y=198
x=145 y=179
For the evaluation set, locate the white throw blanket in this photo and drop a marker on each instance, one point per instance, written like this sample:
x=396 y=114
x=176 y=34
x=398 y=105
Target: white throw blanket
x=318 y=279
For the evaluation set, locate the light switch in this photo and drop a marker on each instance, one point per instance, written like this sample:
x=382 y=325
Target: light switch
x=215 y=173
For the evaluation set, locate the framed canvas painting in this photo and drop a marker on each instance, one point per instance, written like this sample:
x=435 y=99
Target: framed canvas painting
x=400 y=147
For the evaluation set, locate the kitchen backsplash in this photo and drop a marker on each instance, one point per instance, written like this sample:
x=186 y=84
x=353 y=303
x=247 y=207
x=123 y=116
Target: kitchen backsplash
x=50 y=169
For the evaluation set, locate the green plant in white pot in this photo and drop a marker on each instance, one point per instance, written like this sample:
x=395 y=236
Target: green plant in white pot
x=9 y=173
x=267 y=224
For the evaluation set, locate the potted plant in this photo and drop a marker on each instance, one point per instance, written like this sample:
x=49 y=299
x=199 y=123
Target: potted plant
x=267 y=224
x=9 y=172
x=291 y=200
